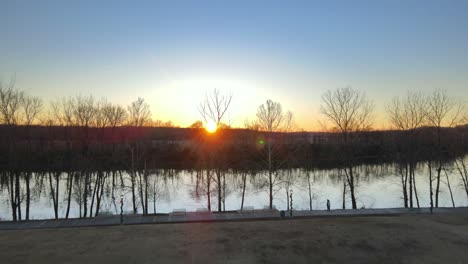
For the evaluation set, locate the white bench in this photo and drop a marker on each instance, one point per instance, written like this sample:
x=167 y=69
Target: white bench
x=179 y=212
x=248 y=208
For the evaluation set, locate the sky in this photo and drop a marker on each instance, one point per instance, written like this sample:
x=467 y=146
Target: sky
x=171 y=53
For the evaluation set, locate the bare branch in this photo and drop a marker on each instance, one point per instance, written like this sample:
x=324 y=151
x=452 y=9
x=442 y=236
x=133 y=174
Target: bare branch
x=348 y=109
x=139 y=113
x=408 y=113
x=214 y=107
x=32 y=106
x=444 y=111
x=10 y=103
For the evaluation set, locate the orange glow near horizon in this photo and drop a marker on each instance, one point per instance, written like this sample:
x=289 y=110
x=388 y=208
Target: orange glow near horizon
x=211 y=127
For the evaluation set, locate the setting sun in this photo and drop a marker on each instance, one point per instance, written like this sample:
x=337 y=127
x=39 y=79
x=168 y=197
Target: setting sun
x=211 y=127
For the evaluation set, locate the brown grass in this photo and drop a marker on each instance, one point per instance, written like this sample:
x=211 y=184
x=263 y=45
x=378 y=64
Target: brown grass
x=397 y=239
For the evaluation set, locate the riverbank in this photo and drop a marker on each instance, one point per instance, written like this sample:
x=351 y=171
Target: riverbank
x=181 y=216
x=403 y=238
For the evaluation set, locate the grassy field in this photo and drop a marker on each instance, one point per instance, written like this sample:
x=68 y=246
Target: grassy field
x=392 y=239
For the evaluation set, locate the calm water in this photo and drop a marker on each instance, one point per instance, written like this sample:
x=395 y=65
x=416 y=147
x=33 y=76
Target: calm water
x=377 y=187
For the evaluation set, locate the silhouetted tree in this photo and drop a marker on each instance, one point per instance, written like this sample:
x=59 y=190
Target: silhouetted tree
x=32 y=106
x=138 y=113
x=443 y=111
x=197 y=124
x=213 y=109
x=408 y=114
x=11 y=101
x=215 y=106
x=271 y=119
x=349 y=111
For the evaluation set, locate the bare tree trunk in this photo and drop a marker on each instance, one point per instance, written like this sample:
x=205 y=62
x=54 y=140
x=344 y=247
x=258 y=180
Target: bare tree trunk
x=140 y=189
x=208 y=191
x=350 y=178
x=404 y=182
x=12 y=197
x=310 y=191
x=145 y=177
x=224 y=191
x=28 y=194
x=411 y=185
x=198 y=177
x=270 y=177
x=95 y=189
x=85 y=195
x=415 y=190
x=270 y=173
x=70 y=185
x=100 y=193
x=154 y=196
x=79 y=196
x=113 y=184
x=57 y=181
x=132 y=176
x=344 y=193
x=218 y=178
x=244 y=182
x=54 y=192
x=439 y=170
x=450 y=188
x=18 y=195
x=430 y=186
x=463 y=173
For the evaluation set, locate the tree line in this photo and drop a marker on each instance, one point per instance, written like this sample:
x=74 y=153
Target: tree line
x=80 y=135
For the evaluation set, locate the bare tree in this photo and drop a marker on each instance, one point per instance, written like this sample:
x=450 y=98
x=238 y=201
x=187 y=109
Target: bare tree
x=101 y=118
x=116 y=115
x=271 y=119
x=109 y=115
x=408 y=114
x=138 y=113
x=270 y=116
x=160 y=123
x=10 y=109
x=443 y=111
x=251 y=125
x=10 y=103
x=62 y=111
x=32 y=106
x=84 y=110
x=214 y=107
x=349 y=111
x=462 y=168
x=54 y=190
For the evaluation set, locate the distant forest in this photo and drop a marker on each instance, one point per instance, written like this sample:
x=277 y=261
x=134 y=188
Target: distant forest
x=41 y=148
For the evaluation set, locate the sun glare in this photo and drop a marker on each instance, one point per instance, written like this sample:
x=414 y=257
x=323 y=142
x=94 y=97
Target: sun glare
x=211 y=127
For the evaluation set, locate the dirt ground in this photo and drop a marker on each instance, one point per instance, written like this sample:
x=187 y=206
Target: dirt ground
x=377 y=239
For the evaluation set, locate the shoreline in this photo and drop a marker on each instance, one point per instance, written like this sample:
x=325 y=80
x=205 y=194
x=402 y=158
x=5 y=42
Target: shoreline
x=181 y=217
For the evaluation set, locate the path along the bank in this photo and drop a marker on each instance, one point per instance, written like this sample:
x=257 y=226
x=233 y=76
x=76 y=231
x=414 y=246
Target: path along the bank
x=180 y=216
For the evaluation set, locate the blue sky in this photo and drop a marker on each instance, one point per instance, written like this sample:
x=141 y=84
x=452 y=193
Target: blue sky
x=171 y=52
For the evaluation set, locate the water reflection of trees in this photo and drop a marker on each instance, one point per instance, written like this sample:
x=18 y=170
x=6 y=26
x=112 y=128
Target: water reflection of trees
x=95 y=192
